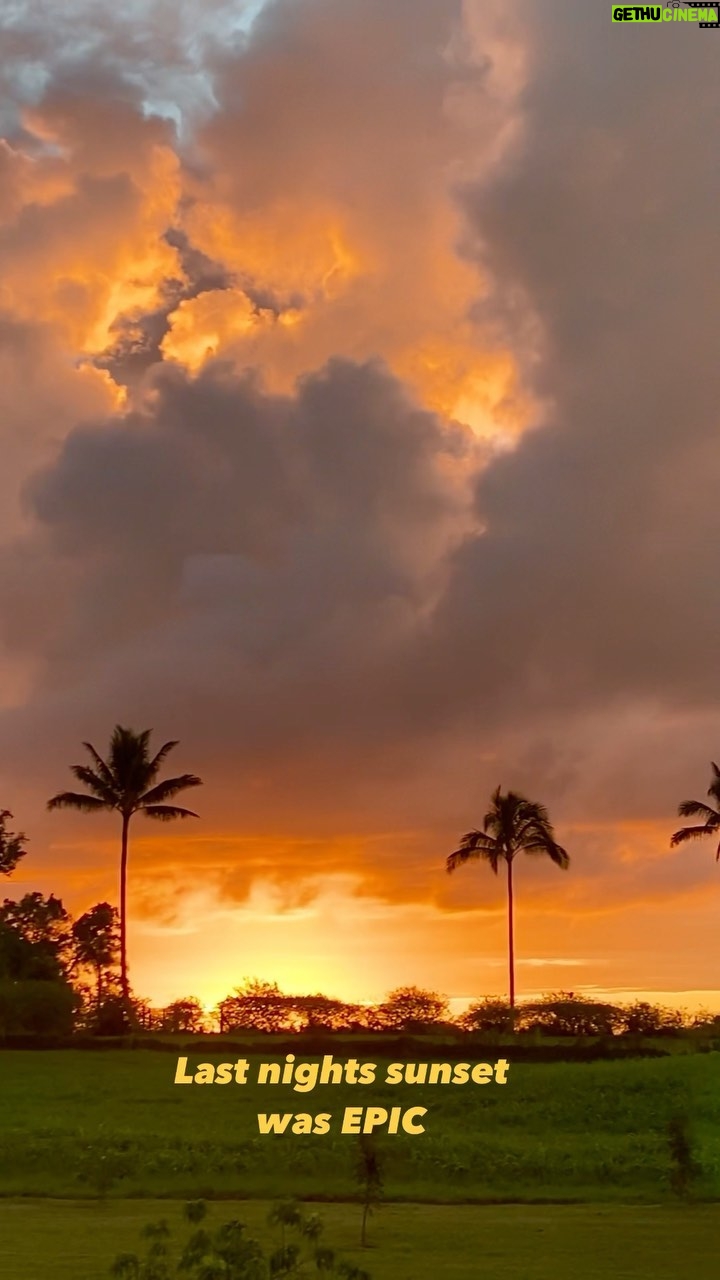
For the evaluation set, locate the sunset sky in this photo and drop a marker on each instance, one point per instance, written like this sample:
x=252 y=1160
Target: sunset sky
x=359 y=406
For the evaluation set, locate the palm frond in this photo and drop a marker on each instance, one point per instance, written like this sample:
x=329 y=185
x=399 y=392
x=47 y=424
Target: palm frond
x=698 y=809
x=475 y=844
x=492 y=821
x=157 y=760
x=529 y=828
x=76 y=800
x=169 y=789
x=551 y=850
x=533 y=812
x=167 y=812
x=689 y=833
x=95 y=784
x=100 y=764
x=714 y=788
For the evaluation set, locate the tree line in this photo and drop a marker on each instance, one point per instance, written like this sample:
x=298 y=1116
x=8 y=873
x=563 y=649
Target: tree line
x=57 y=974
x=82 y=965
x=261 y=1007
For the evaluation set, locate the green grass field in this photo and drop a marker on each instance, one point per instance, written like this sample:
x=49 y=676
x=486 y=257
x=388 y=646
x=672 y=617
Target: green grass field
x=51 y=1240
x=76 y=1124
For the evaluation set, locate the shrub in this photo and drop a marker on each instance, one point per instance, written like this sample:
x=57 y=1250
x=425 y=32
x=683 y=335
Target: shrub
x=37 y=1008
x=565 y=1014
x=488 y=1014
x=645 y=1019
x=411 y=1009
x=229 y=1253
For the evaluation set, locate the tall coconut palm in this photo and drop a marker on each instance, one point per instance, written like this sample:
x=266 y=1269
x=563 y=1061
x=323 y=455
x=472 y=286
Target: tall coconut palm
x=511 y=826
x=699 y=809
x=127 y=782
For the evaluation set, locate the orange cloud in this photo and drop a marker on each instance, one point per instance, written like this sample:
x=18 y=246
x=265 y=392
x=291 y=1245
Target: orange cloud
x=345 y=244
x=81 y=233
x=332 y=283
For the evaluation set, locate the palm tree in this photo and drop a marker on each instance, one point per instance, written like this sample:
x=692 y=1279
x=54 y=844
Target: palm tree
x=699 y=809
x=512 y=825
x=126 y=782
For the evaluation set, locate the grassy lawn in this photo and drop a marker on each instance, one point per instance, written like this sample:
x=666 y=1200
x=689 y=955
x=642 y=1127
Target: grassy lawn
x=52 y=1240
x=79 y=1123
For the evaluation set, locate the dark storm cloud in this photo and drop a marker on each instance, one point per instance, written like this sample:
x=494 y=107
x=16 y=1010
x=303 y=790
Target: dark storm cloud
x=594 y=578
x=276 y=551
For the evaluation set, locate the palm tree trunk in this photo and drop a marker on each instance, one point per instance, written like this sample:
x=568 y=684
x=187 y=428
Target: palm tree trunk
x=123 y=911
x=511 y=932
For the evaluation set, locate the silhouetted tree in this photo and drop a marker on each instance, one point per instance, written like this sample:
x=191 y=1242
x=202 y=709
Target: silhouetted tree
x=127 y=782
x=12 y=847
x=36 y=1006
x=489 y=1014
x=511 y=826
x=43 y=924
x=35 y=993
x=563 y=1013
x=323 y=1013
x=185 y=1015
x=256 y=1006
x=411 y=1008
x=710 y=826
x=145 y=1016
x=22 y=960
x=96 y=946
x=644 y=1019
